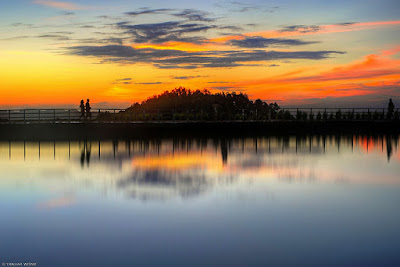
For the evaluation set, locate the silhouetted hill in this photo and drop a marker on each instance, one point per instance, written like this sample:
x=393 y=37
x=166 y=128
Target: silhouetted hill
x=186 y=99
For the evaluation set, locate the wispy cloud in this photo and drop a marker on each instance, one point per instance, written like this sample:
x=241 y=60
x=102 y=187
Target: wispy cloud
x=150 y=83
x=219 y=82
x=60 y=5
x=58 y=37
x=194 y=15
x=260 y=42
x=185 y=77
x=146 y=11
x=164 y=31
x=123 y=81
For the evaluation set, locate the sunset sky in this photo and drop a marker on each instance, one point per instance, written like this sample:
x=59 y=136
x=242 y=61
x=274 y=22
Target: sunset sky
x=297 y=53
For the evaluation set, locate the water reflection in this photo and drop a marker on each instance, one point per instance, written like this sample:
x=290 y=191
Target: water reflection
x=294 y=200
x=165 y=168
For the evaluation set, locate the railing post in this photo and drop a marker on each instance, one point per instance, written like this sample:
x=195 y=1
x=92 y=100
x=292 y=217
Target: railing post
x=114 y=116
x=242 y=114
x=98 y=116
x=24 y=116
x=69 y=116
x=144 y=115
x=9 y=116
x=256 y=115
x=173 y=115
x=158 y=114
x=39 y=115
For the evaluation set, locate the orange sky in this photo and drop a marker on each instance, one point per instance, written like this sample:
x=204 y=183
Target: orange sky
x=59 y=60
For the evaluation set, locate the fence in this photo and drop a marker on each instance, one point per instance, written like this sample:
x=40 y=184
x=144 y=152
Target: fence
x=176 y=115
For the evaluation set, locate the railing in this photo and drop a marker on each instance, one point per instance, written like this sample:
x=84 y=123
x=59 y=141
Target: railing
x=179 y=115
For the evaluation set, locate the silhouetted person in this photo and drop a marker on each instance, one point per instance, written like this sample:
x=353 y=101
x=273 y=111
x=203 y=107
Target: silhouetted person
x=88 y=152
x=83 y=156
x=390 y=109
x=88 y=108
x=82 y=106
x=389 y=148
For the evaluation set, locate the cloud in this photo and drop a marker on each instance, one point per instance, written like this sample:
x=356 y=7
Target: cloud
x=87 y=27
x=123 y=81
x=59 y=5
x=16 y=38
x=150 y=83
x=261 y=42
x=301 y=28
x=346 y=23
x=240 y=58
x=20 y=24
x=145 y=11
x=108 y=40
x=57 y=37
x=181 y=59
x=62 y=32
x=194 y=15
x=159 y=66
x=164 y=31
x=123 y=52
x=185 y=77
x=235 y=6
x=230 y=27
x=219 y=82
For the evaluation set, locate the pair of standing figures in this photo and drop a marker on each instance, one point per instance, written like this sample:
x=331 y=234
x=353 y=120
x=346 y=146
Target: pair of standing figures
x=85 y=109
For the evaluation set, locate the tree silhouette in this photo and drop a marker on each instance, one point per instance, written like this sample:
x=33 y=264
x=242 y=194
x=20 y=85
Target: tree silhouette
x=219 y=105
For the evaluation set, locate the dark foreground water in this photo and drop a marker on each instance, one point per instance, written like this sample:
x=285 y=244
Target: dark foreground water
x=212 y=202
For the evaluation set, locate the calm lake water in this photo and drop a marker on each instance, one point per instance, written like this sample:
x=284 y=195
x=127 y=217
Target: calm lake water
x=313 y=200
